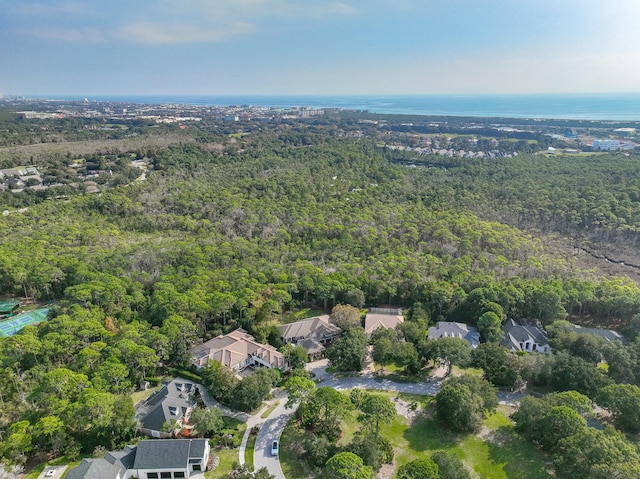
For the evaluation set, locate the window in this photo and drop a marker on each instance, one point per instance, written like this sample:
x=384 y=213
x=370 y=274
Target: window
x=165 y=475
x=178 y=475
x=152 y=475
x=173 y=410
x=197 y=467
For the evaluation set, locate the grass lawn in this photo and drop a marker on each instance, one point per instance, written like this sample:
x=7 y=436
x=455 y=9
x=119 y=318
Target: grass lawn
x=293 y=466
x=59 y=461
x=235 y=427
x=269 y=410
x=227 y=458
x=248 y=452
x=458 y=371
x=138 y=396
x=497 y=452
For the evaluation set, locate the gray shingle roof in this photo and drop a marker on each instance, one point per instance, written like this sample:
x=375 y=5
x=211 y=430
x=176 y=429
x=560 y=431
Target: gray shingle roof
x=167 y=453
x=171 y=402
x=607 y=334
x=95 y=469
x=515 y=334
x=311 y=346
x=447 y=329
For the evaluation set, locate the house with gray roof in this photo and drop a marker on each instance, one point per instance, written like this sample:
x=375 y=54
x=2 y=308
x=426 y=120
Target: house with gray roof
x=114 y=465
x=518 y=337
x=448 y=329
x=168 y=409
x=313 y=334
x=149 y=459
x=607 y=334
x=180 y=458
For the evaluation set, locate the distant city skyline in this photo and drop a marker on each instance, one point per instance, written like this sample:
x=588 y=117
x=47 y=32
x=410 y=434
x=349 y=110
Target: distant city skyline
x=318 y=47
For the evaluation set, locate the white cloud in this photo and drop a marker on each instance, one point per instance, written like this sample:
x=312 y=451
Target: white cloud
x=164 y=22
x=179 y=33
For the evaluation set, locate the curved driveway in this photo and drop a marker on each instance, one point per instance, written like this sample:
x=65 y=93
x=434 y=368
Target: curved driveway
x=272 y=428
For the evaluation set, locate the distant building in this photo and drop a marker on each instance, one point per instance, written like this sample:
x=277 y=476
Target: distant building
x=606 y=145
x=447 y=329
x=625 y=132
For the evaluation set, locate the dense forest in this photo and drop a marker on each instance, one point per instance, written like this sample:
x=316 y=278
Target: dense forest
x=236 y=230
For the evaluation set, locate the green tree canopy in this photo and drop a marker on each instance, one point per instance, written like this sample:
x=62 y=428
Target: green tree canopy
x=423 y=468
x=346 y=465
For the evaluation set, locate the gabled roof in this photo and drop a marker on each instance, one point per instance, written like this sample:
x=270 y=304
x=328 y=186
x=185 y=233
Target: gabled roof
x=126 y=457
x=374 y=321
x=318 y=328
x=167 y=453
x=447 y=329
x=170 y=403
x=311 y=346
x=234 y=348
x=607 y=334
x=96 y=469
x=515 y=334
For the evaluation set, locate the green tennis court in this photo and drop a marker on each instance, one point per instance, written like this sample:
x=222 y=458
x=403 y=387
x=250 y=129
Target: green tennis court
x=15 y=324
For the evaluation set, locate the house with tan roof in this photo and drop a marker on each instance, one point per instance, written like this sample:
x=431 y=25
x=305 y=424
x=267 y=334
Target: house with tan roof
x=237 y=350
x=387 y=318
x=312 y=334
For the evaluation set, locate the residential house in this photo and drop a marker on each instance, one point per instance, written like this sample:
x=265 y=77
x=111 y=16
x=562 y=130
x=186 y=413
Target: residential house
x=170 y=458
x=313 y=334
x=524 y=338
x=168 y=409
x=447 y=329
x=114 y=465
x=387 y=318
x=237 y=350
x=607 y=334
x=149 y=459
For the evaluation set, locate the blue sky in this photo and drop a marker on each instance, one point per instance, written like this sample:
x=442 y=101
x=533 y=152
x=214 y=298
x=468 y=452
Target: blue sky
x=226 y=47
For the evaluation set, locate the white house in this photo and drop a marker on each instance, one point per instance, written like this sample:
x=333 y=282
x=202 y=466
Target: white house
x=150 y=459
x=447 y=329
x=524 y=338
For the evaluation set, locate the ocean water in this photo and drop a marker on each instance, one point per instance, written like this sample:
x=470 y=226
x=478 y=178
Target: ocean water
x=615 y=106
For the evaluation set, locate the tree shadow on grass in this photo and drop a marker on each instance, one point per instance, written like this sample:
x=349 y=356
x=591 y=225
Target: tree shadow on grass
x=428 y=434
x=522 y=459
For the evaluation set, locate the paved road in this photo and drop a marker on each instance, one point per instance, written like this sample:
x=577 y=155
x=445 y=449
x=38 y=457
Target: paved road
x=272 y=428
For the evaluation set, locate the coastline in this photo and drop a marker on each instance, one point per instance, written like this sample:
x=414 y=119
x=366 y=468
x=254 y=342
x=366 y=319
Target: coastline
x=600 y=107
